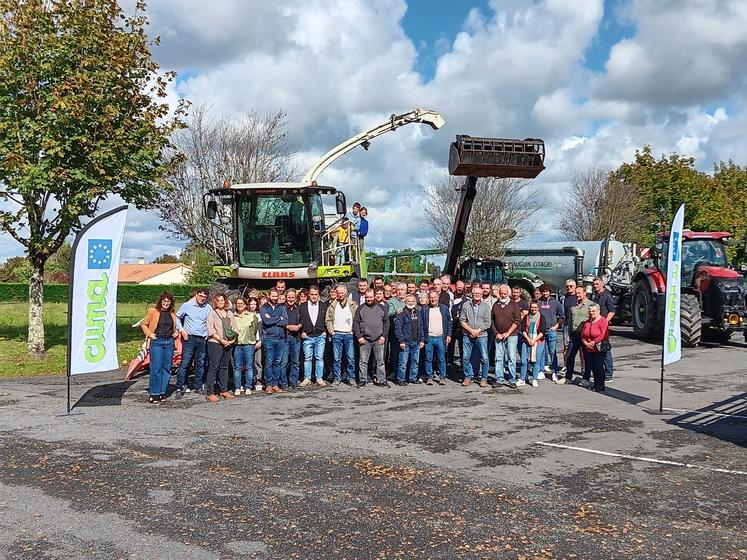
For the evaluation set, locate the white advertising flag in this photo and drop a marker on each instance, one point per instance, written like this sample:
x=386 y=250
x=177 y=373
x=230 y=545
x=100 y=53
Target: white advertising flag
x=92 y=306
x=672 y=334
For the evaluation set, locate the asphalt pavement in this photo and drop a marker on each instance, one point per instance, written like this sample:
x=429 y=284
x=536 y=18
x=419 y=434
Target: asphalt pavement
x=407 y=472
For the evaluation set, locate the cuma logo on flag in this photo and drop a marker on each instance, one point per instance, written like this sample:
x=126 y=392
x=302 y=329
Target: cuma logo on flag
x=99 y=253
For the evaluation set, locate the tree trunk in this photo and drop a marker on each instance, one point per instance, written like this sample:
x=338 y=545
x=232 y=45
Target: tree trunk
x=36 y=306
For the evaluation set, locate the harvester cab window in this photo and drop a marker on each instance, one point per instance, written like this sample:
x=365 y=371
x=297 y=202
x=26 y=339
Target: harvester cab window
x=274 y=231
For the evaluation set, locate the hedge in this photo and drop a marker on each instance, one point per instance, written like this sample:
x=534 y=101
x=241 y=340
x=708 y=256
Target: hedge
x=126 y=293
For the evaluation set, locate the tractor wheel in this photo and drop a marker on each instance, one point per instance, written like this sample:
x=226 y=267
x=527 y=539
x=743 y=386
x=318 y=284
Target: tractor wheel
x=643 y=311
x=690 y=320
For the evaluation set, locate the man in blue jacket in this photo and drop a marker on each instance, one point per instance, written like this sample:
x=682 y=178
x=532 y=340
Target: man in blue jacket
x=437 y=332
x=274 y=319
x=408 y=329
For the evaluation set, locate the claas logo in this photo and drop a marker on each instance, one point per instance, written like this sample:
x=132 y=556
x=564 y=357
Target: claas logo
x=279 y=274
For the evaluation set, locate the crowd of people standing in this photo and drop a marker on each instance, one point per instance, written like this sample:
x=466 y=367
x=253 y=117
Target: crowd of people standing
x=403 y=333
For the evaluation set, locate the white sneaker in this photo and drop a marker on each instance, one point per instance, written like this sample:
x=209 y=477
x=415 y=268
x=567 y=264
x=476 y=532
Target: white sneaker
x=187 y=390
x=534 y=383
x=257 y=386
x=547 y=369
x=554 y=377
x=564 y=370
x=237 y=392
x=560 y=381
x=520 y=382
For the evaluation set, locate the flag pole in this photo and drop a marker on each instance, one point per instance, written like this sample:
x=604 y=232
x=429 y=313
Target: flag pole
x=68 y=409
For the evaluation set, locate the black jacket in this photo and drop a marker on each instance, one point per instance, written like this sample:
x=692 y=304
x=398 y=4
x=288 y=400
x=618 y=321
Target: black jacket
x=312 y=329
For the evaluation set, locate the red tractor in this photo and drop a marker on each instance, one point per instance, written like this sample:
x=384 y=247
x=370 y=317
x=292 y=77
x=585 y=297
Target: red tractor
x=713 y=295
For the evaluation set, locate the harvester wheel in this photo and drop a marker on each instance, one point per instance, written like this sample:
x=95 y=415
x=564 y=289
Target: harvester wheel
x=690 y=320
x=643 y=311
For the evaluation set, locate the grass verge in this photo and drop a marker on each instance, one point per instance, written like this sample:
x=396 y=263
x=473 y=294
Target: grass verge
x=14 y=359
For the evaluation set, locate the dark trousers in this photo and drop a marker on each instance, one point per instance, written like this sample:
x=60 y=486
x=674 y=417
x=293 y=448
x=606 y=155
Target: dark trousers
x=574 y=345
x=456 y=339
x=291 y=357
x=218 y=358
x=597 y=367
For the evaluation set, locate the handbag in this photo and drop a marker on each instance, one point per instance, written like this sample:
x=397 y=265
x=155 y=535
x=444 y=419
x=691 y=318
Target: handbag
x=604 y=346
x=228 y=332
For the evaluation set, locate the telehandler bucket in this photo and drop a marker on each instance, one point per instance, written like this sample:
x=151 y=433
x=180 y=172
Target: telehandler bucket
x=496 y=157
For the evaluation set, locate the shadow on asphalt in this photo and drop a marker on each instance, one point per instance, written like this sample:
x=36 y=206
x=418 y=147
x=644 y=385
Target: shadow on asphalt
x=109 y=394
x=725 y=420
x=624 y=396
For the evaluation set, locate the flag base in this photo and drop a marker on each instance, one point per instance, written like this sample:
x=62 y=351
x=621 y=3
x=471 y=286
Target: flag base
x=72 y=412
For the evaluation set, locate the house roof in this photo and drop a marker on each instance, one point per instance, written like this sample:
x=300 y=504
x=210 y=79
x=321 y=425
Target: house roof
x=135 y=273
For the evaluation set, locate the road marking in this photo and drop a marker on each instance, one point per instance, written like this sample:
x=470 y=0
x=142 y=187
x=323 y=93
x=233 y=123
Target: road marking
x=706 y=412
x=636 y=458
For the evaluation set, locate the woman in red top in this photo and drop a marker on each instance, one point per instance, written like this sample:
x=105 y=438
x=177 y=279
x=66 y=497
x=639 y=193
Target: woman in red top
x=595 y=332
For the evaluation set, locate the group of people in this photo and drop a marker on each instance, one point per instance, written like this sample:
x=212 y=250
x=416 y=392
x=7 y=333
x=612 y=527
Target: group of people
x=404 y=333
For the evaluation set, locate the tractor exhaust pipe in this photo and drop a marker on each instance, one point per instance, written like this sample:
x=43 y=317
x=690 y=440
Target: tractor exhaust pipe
x=496 y=157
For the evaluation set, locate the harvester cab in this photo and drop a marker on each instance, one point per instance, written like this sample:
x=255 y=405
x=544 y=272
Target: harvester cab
x=263 y=232
x=473 y=158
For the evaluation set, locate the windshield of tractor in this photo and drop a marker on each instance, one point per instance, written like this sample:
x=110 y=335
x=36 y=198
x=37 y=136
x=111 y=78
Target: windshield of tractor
x=696 y=252
x=274 y=231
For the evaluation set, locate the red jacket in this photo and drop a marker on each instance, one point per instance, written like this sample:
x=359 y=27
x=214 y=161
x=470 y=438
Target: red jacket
x=596 y=332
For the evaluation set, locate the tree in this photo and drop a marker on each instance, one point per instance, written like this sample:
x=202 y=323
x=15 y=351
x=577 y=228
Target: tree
x=166 y=259
x=81 y=117
x=663 y=185
x=15 y=269
x=503 y=211
x=200 y=261
x=252 y=149
x=599 y=203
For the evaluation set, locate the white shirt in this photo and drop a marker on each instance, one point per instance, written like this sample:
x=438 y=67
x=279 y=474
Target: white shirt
x=313 y=311
x=435 y=324
x=343 y=318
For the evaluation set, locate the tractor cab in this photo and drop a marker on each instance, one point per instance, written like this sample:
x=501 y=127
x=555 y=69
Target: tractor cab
x=699 y=250
x=269 y=231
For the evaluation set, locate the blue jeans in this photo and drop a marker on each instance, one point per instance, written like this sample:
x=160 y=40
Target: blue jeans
x=273 y=358
x=411 y=351
x=340 y=341
x=505 y=351
x=608 y=366
x=538 y=364
x=438 y=344
x=313 y=348
x=193 y=347
x=243 y=357
x=161 y=356
x=291 y=354
x=551 y=346
x=468 y=344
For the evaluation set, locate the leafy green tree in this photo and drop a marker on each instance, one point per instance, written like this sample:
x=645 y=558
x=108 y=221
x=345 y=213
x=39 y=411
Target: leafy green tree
x=82 y=116
x=666 y=183
x=15 y=269
x=166 y=259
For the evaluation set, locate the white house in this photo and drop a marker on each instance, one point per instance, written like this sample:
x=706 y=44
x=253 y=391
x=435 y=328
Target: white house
x=171 y=273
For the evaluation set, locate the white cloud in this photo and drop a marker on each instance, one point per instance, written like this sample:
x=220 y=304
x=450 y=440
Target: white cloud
x=338 y=66
x=684 y=52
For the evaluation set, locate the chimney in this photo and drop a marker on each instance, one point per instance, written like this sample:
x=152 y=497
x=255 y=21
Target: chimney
x=140 y=260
